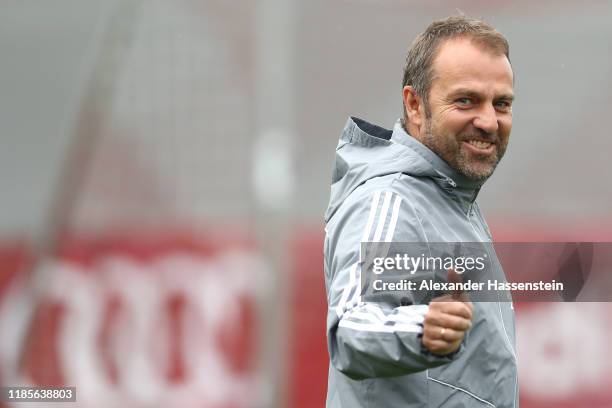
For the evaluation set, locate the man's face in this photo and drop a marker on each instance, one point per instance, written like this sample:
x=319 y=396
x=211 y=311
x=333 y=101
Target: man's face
x=469 y=116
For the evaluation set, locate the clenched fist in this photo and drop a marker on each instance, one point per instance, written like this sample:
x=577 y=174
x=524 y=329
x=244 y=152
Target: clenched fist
x=446 y=321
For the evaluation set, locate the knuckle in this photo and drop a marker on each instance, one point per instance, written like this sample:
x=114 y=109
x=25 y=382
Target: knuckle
x=434 y=306
x=432 y=319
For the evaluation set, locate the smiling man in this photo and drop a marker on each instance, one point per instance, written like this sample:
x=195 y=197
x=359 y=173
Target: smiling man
x=419 y=183
x=462 y=110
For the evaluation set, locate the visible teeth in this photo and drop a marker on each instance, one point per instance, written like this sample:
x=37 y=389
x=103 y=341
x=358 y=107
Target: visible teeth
x=479 y=144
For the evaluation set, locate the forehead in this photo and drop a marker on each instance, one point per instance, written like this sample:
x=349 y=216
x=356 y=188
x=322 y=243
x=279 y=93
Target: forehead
x=461 y=64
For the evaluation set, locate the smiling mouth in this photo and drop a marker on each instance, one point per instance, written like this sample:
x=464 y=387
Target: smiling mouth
x=479 y=144
x=480 y=147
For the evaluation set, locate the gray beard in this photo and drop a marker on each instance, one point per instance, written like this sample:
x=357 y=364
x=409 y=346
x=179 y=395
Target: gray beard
x=449 y=150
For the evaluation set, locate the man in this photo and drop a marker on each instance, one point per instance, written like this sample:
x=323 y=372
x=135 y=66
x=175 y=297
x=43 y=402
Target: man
x=418 y=183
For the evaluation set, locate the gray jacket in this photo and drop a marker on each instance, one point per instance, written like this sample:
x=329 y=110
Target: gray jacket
x=386 y=186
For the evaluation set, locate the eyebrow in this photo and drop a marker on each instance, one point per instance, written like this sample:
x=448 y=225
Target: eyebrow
x=472 y=94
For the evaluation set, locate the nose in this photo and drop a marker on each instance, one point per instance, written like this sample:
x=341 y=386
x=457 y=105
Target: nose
x=487 y=119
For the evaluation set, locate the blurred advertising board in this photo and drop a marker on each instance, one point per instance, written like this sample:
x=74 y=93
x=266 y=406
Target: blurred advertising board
x=135 y=321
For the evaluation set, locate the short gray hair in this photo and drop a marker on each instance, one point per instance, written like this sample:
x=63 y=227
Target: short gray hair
x=418 y=71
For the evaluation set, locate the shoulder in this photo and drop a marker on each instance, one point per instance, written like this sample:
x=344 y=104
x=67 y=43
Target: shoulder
x=380 y=208
x=396 y=186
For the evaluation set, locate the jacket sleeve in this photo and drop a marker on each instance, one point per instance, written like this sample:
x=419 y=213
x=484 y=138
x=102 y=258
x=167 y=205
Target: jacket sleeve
x=367 y=339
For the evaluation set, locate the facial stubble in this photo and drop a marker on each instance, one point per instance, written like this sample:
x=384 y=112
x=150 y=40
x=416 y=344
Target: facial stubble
x=449 y=148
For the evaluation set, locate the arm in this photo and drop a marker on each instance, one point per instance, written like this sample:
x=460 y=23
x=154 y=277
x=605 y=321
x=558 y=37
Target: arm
x=367 y=339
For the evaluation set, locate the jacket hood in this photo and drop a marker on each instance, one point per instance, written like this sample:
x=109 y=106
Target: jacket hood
x=366 y=151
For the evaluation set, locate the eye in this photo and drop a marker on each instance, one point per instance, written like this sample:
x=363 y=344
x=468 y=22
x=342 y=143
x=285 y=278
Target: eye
x=503 y=105
x=465 y=101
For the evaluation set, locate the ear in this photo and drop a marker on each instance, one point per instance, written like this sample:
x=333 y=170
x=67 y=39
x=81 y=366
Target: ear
x=414 y=108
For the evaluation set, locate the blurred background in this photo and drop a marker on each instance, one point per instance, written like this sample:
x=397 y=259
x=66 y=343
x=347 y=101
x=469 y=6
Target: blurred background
x=165 y=166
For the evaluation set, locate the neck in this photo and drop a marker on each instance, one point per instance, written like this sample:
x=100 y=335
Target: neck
x=412 y=130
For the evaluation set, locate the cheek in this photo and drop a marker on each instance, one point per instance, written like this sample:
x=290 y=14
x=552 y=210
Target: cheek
x=454 y=121
x=505 y=126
